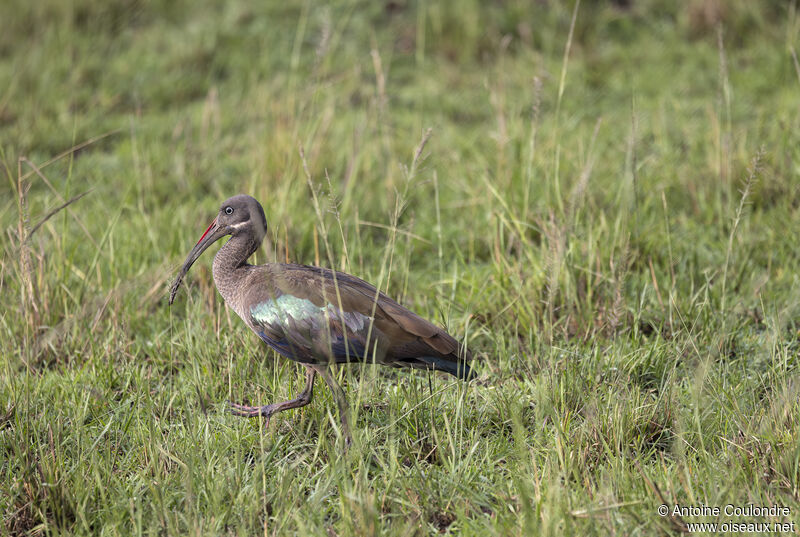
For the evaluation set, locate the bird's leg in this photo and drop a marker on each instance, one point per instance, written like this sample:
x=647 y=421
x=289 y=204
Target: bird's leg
x=341 y=400
x=267 y=411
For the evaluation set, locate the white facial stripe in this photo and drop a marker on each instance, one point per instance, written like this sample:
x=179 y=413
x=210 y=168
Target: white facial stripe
x=258 y=226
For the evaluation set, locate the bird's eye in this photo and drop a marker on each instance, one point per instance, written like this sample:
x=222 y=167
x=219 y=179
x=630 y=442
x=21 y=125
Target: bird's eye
x=228 y=210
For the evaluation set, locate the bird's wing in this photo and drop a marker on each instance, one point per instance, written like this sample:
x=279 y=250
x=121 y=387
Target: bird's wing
x=299 y=329
x=402 y=330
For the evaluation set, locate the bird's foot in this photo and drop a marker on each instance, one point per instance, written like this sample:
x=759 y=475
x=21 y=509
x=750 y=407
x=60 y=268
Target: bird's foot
x=253 y=411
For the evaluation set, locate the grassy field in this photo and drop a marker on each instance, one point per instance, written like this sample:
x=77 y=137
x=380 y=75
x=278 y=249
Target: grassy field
x=601 y=199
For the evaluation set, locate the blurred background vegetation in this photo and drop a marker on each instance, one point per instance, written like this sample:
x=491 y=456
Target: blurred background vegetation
x=601 y=198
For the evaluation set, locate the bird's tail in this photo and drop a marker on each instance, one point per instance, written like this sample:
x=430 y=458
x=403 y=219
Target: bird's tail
x=457 y=368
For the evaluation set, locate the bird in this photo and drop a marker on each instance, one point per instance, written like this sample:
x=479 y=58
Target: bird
x=315 y=316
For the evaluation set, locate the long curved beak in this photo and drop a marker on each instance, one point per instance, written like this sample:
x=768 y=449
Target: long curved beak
x=212 y=235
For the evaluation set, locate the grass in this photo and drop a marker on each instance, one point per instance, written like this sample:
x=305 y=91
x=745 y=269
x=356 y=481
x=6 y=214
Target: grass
x=605 y=209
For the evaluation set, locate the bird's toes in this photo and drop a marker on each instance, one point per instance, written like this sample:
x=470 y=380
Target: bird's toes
x=237 y=406
x=244 y=411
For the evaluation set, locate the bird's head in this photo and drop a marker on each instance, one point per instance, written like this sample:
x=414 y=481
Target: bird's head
x=239 y=215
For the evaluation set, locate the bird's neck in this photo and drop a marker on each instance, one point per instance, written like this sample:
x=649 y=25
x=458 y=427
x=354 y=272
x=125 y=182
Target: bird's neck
x=230 y=268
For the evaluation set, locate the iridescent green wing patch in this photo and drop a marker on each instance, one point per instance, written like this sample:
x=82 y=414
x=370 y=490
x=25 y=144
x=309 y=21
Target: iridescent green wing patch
x=291 y=325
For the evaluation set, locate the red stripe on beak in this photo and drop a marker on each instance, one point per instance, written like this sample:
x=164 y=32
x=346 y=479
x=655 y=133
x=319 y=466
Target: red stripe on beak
x=213 y=222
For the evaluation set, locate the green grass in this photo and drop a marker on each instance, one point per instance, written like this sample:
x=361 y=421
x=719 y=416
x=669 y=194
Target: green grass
x=606 y=210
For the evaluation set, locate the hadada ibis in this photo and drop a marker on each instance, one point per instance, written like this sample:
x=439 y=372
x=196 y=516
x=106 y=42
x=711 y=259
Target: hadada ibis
x=313 y=315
